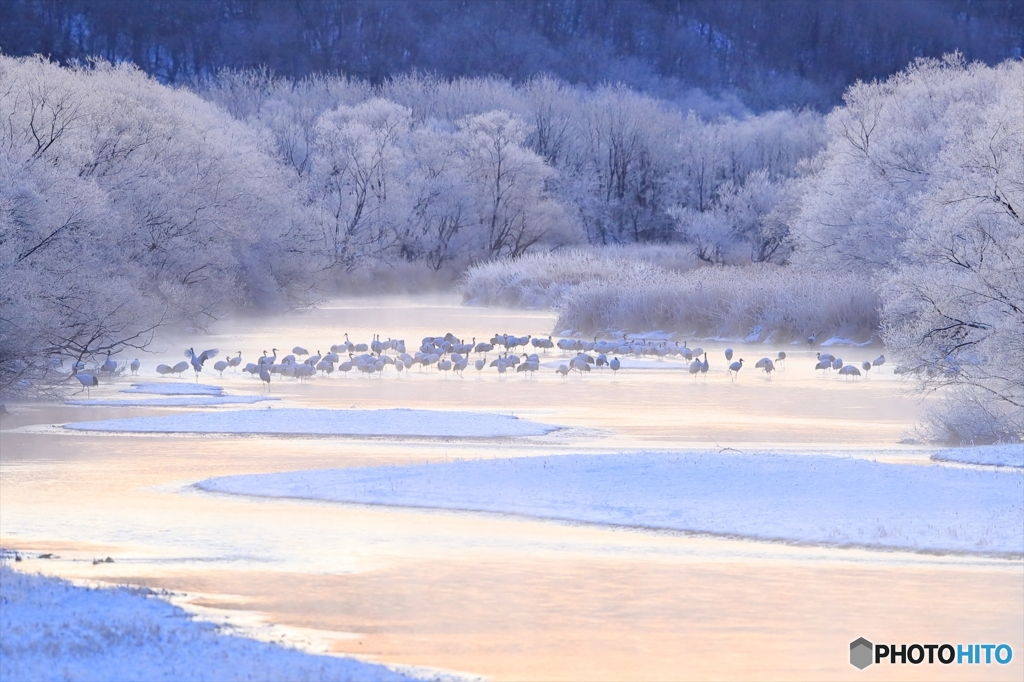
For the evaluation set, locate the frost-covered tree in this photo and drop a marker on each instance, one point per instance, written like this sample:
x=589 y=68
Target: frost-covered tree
x=738 y=172
x=624 y=163
x=884 y=144
x=511 y=207
x=922 y=184
x=358 y=181
x=125 y=205
x=954 y=310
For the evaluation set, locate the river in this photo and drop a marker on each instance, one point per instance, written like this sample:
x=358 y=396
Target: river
x=500 y=596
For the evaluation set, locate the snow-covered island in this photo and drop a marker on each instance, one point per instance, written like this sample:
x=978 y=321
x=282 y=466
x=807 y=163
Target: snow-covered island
x=322 y=422
x=811 y=499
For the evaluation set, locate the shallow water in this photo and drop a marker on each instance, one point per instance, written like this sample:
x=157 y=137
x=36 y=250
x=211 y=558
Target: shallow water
x=505 y=597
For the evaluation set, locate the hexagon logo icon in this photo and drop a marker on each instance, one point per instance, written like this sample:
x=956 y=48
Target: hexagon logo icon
x=861 y=651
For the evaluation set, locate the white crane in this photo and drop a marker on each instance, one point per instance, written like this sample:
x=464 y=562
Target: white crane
x=109 y=366
x=135 y=366
x=849 y=371
x=200 y=359
x=87 y=381
x=735 y=368
x=767 y=365
x=695 y=369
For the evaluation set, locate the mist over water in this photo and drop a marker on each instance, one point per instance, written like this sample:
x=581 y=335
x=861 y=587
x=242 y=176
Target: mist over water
x=473 y=592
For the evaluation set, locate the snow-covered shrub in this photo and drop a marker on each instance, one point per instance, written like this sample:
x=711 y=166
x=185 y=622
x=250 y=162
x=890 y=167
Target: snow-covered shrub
x=963 y=416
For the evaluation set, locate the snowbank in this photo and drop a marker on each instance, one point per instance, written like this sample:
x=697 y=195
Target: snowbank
x=174 y=401
x=175 y=388
x=797 y=498
x=1006 y=455
x=316 y=422
x=52 y=630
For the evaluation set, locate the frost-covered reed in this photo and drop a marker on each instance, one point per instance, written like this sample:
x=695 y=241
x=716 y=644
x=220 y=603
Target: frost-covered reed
x=607 y=293
x=542 y=280
x=757 y=303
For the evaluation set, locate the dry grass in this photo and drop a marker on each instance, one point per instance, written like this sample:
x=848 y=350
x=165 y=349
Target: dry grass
x=610 y=291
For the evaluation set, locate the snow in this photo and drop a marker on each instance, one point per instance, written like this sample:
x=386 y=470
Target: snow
x=816 y=499
x=174 y=401
x=321 y=422
x=1005 y=455
x=625 y=362
x=839 y=341
x=175 y=388
x=52 y=630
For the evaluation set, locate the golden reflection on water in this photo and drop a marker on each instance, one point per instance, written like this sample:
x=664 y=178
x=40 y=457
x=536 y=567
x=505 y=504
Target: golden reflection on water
x=506 y=597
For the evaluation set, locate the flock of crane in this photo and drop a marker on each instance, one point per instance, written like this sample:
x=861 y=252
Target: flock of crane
x=448 y=353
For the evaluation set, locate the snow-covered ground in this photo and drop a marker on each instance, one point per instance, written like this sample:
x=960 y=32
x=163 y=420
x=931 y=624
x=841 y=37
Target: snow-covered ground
x=1005 y=455
x=175 y=388
x=626 y=363
x=796 y=498
x=53 y=630
x=177 y=394
x=174 y=401
x=319 y=422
